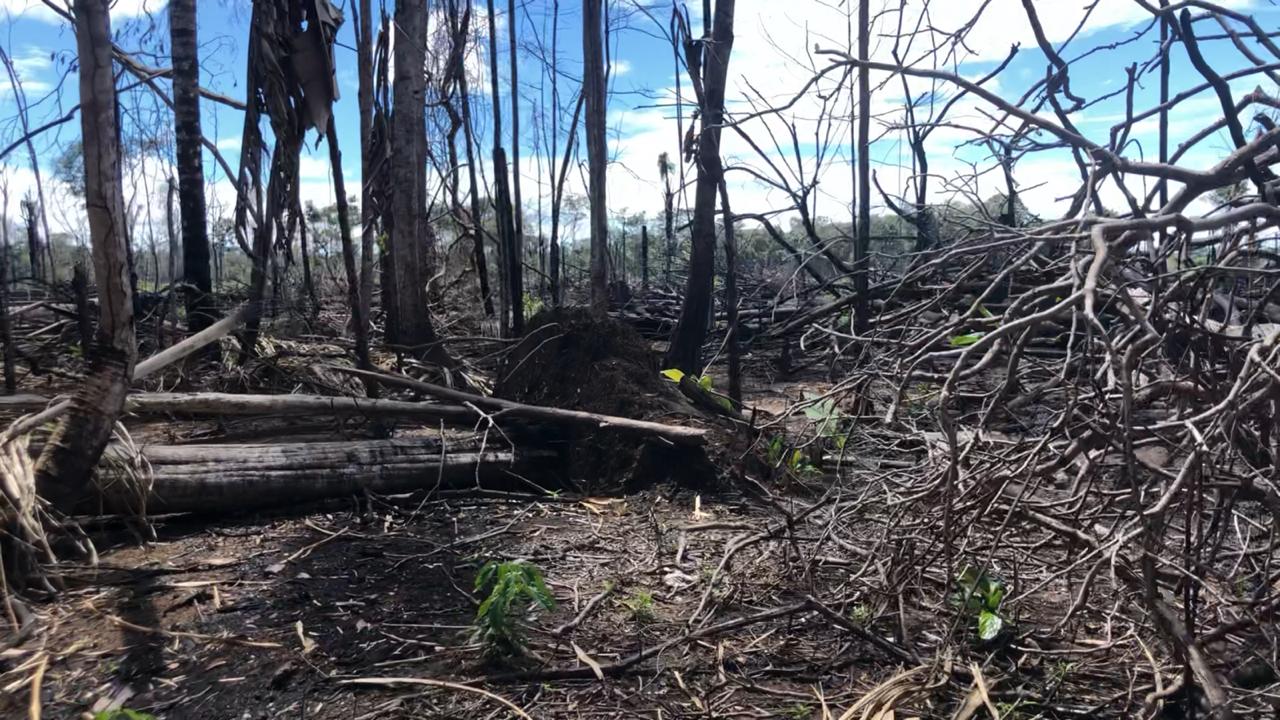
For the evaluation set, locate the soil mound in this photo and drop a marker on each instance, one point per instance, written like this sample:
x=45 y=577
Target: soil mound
x=569 y=359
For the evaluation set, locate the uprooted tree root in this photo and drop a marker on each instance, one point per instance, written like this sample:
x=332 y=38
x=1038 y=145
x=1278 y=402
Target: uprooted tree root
x=570 y=360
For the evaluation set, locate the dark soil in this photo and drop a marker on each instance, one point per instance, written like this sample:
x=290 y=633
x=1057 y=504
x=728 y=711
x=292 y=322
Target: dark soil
x=387 y=593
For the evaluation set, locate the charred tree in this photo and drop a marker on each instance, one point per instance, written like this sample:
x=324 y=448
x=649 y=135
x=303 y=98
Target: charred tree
x=66 y=464
x=709 y=80
x=413 y=328
x=644 y=257
x=513 y=292
x=197 y=280
x=517 y=202
x=34 y=251
x=363 y=20
x=593 y=90
x=477 y=230
x=862 y=245
x=668 y=214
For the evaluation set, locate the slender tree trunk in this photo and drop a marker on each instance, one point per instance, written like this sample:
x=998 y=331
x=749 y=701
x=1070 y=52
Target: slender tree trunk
x=668 y=218
x=731 y=296
x=513 y=290
x=175 y=251
x=553 y=242
x=68 y=459
x=198 y=283
x=1163 y=126
x=308 y=282
x=477 y=219
x=517 y=202
x=408 y=179
x=691 y=331
x=80 y=292
x=34 y=253
x=6 y=331
x=862 y=246
x=593 y=88
x=644 y=258
x=368 y=214
x=358 y=318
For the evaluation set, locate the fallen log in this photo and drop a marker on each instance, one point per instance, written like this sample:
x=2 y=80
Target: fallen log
x=678 y=434
x=224 y=478
x=211 y=403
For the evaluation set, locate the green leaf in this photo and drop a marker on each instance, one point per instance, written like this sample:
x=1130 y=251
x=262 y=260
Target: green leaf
x=965 y=340
x=673 y=374
x=704 y=382
x=984 y=312
x=995 y=594
x=725 y=403
x=989 y=625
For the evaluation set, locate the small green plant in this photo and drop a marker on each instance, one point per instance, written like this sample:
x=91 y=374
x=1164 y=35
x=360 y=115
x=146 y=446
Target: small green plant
x=777 y=447
x=779 y=455
x=532 y=305
x=123 y=714
x=965 y=340
x=829 y=420
x=798 y=711
x=860 y=614
x=980 y=594
x=641 y=605
x=514 y=589
x=705 y=382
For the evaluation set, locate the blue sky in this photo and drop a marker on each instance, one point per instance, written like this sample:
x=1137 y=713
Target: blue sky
x=772 y=59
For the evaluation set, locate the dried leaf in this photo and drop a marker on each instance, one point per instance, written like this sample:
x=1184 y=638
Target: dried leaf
x=307 y=643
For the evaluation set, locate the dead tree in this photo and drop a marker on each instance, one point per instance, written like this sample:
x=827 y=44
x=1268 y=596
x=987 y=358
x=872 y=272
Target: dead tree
x=68 y=459
x=197 y=281
x=6 y=328
x=862 y=246
x=38 y=203
x=413 y=329
x=708 y=63
x=362 y=18
x=513 y=292
x=665 y=168
x=461 y=34
x=517 y=202
x=593 y=90
x=35 y=250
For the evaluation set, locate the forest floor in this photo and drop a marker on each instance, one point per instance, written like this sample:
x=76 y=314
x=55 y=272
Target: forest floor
x=774 y=600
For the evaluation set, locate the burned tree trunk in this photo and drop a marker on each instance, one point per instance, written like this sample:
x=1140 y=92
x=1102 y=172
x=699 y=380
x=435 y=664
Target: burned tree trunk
x=368 y=215
x=408 y=177
x=34 y=253
x=709 y=85
x=477 y=231
x=644 y=257
x=668 y=214
x=513 y=291
x=222 y=478
x=359 y=320
x=517 y=203
x=593 y=89
x=6 y=329
x=197 y=281
x=862 y=244
x=68 y=459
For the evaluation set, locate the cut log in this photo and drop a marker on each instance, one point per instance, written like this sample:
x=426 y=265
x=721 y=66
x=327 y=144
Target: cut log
x=227 y=478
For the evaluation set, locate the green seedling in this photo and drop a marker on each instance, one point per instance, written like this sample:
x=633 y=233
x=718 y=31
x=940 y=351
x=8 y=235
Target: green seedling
x=980 y=595
x=514 y=589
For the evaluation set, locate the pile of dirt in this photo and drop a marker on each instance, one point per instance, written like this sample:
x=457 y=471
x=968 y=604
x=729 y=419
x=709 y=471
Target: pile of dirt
x=569 y=359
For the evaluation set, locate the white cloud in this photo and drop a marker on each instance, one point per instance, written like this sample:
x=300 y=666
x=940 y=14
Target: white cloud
x=37 y=10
